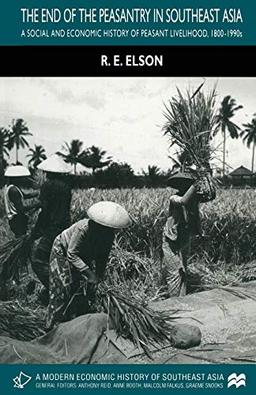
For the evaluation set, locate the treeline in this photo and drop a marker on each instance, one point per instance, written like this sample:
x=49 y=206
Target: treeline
x=121 y=175
x=98 y=168
x=101 y=170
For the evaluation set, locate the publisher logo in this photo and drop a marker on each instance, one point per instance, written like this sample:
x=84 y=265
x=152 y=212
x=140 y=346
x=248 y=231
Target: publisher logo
x=21 y=380
x=236 y=380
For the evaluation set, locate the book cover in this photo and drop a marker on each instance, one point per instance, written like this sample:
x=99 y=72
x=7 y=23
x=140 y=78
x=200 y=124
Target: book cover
x=127 y=184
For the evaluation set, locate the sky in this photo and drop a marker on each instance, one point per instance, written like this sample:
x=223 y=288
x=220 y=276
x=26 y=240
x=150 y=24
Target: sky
x=124 y=116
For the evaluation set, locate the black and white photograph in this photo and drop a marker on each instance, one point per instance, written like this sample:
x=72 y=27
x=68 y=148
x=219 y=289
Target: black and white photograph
x=127 y=226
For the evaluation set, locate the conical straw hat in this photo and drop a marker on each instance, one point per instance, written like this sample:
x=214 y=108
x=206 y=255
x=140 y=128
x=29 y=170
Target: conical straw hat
x=55 y=164
x=109 y=214
x=17 y=171
x=182 y=178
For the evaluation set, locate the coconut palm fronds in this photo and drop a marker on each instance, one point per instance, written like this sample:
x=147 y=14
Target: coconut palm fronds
x=134 y=320
x=191 y=122
x=13 y=257
x=20 y=323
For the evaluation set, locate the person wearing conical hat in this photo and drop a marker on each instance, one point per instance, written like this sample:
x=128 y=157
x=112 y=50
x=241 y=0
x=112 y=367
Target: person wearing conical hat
x=54 y=217
x=80 y=254
x=14 y=198
x=183 y=223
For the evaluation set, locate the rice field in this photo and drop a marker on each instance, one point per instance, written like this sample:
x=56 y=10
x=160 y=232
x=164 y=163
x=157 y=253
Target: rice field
x=225 y=254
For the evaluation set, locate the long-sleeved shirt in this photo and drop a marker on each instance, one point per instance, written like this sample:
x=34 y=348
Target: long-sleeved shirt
x=184 y=220
x=13 y=199
x=84 y=249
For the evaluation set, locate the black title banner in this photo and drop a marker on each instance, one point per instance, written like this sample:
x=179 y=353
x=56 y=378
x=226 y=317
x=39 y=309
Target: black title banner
x=129 y=61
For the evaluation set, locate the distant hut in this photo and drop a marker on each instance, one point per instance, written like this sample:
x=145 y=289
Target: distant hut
x=241 y=176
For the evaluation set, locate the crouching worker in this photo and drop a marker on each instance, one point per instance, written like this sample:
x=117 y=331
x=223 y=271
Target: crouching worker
x=79 y=256
x=182 y=224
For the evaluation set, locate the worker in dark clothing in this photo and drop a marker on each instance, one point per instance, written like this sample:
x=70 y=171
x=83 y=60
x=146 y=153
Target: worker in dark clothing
x=14 y=198
x=55 y=200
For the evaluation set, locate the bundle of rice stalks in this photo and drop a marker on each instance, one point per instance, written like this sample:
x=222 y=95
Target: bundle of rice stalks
x=191 y=122
x=134 y=320
x=20 y=323
x=13 y=257
x=138 y=273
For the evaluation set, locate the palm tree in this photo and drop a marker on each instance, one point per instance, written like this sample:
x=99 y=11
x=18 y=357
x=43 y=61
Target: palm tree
x=249 y=136
x=73 y=152
x=36 y=155
x=18 y=132
x=95 y=158
x=227 y=111
x=4 y=145
x=152 y=175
